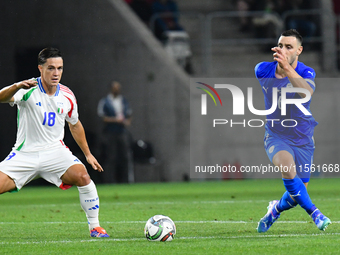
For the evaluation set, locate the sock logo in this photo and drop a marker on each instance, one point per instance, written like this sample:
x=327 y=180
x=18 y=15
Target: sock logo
x=94 y=207
x=91 y=200
x=298 y=194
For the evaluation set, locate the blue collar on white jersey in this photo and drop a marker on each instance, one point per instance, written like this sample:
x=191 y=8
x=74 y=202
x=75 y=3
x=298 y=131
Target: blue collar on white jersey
x=43 y=90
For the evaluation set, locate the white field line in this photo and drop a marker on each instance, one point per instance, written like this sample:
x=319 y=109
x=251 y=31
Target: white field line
x=147 y=202
x=143 y=222
x=180 y=238
x=160 y=203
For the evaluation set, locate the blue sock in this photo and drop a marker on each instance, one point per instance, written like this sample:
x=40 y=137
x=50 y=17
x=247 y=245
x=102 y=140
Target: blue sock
x=298 y=191
x=285 y=203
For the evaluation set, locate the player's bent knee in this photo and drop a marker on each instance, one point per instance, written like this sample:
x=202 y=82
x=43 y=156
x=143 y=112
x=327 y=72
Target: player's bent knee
x=84 y=179
x=285 y=161
x=288 y=175
x=76 y=175
x=283 y=158
x=6 y=183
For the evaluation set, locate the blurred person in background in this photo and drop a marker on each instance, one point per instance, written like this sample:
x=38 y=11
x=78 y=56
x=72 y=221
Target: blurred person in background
x=116 y=115
x=305 y=24
x=168 y=19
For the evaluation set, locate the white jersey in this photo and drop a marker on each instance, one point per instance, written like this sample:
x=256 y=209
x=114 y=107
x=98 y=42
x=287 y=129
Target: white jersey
x=41 y=118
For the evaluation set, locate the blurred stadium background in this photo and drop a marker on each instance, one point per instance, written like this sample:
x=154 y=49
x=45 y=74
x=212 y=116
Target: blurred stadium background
x=105 y=40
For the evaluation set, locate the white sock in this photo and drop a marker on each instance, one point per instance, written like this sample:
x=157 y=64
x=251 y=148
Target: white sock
x=89 y=201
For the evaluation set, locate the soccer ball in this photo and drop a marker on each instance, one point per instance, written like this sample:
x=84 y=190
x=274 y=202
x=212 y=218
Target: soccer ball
x=160 y=228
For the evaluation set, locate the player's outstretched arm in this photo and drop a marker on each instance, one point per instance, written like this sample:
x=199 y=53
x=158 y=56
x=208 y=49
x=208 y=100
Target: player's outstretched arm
x=78 y=134
x=7 y=93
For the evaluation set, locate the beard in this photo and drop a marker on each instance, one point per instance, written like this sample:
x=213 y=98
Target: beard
x=292 y=60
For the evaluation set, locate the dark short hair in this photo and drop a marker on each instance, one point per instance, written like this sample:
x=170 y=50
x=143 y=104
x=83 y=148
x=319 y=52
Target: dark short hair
x=294 y=33
x=46 y=53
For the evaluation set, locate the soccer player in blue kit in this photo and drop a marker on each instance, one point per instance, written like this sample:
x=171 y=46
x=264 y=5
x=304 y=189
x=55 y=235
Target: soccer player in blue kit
x=290 y=146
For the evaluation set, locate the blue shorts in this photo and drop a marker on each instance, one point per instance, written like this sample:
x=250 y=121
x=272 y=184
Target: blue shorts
x=302 y=155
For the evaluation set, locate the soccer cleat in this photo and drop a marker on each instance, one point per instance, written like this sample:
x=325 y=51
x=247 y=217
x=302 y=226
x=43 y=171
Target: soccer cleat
x=271 y=216
x=98 y=232
x=320 y=220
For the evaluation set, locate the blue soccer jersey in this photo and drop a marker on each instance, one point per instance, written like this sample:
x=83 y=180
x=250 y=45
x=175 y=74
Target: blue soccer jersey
x=300 y=131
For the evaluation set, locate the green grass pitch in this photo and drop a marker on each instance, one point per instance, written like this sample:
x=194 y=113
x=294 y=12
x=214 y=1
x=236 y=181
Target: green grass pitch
x=212 y=217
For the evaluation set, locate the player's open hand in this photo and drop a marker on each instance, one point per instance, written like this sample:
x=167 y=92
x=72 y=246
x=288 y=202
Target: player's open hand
x=27 y=84
x=94 y=163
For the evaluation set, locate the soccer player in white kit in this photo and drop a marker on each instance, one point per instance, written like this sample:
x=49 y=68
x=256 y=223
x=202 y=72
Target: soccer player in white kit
x=43 y=106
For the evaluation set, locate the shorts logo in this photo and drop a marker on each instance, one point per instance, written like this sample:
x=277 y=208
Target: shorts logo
x=271 y=149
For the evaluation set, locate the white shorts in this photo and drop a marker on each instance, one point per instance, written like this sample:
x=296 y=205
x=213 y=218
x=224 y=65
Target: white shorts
x=50 y=165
